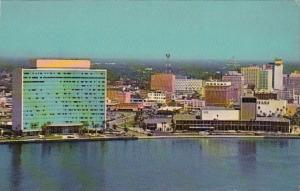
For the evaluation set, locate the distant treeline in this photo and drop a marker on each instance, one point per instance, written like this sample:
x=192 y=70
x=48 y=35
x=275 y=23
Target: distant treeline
x=139 y=69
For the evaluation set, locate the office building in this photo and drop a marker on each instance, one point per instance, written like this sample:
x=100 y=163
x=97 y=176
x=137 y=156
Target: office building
x=163 y=82
x=265 y=80
x=218 y=93
x=188 y=86
x=251 y=75
x=118 y=96
x=277 y=68
x=248 y=108
x=237 y=82
x=292 y=82
x=58 y=93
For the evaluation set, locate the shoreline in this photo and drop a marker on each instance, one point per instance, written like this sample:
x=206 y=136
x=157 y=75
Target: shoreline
x=134 y=138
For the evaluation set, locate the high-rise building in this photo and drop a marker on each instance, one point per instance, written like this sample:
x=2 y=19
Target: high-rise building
x=277 y=68
x=218 y=93
x=260 y=78
x=163 y=82
x=251 y=75
x=58 y=93
x=265 y=80
x=237 y=82
x=248 y=108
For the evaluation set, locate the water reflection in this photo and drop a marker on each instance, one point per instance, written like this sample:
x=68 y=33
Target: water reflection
x=247 y=155
x=16 y=166
x=154 y=164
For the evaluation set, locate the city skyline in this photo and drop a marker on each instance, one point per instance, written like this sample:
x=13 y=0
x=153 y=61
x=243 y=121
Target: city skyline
x=147 y=30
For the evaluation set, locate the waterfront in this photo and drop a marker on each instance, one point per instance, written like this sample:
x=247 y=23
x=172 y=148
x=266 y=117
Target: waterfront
x=161 y=164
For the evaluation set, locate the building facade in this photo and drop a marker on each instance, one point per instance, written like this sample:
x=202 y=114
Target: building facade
x=292 y=82
x=271 y=108
x=277 y=74
x=163 y=82
x=58 y=92
x=191 y=104
x=218 y=93
x=265 y=80
x=157 y=97
x=237 y=81
x=220 y=114
x=248 y=108
x=251 y=75
x=188 y=85
x=119 y=96
x=260 y=124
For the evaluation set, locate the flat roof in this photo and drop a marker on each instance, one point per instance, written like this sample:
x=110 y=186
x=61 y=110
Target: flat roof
x=63 y=63
x=158 y=120
x=216 y=108
x=275 y=119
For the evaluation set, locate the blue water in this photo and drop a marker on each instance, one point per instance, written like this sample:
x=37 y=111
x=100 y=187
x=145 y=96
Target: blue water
x=186 y=164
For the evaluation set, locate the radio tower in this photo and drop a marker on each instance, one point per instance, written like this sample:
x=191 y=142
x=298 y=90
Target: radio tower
x=233 y=64
x=168 y=64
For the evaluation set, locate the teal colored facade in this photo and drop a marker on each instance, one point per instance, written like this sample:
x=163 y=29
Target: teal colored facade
x=62 y=96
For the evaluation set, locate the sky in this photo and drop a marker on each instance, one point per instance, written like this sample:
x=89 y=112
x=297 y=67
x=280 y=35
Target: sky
x=247 y=30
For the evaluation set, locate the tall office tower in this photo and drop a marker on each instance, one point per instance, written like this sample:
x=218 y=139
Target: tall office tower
x=248 y=108
x=218 y=93
x=277 y=68
x=58 y=92
x=251 y=75
x=237 y=82
x=163 y=82
x=265 y=80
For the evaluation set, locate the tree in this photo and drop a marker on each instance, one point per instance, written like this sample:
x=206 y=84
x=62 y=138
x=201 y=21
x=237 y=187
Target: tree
x=85 y=126
x=173 y=125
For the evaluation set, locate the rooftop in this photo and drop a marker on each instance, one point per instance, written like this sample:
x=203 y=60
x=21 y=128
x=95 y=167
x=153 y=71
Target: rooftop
x=158 y=120
x=63 y=63
x=216 y=108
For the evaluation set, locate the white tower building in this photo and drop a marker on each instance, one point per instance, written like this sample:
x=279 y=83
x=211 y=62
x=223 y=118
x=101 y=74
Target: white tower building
x=278 y=74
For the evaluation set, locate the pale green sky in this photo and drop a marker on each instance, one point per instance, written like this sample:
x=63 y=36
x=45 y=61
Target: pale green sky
x=258 y=30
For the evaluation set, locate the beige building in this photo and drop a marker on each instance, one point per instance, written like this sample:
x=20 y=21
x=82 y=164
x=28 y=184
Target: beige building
x=220 y=113
x=274 y=108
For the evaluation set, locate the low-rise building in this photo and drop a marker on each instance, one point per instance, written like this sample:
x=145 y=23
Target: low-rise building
x=269 y=108
x=266 y=124
x=163 y=124
x=191 y=104
x=219 y=113
x=265 y=95
x=127 y=107
x=158 y=97
x=118 y=96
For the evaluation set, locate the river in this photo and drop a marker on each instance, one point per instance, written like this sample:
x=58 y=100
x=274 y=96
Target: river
x=217 y=164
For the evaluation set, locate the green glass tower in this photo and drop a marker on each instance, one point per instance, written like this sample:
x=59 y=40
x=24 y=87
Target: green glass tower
x=64 y=95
